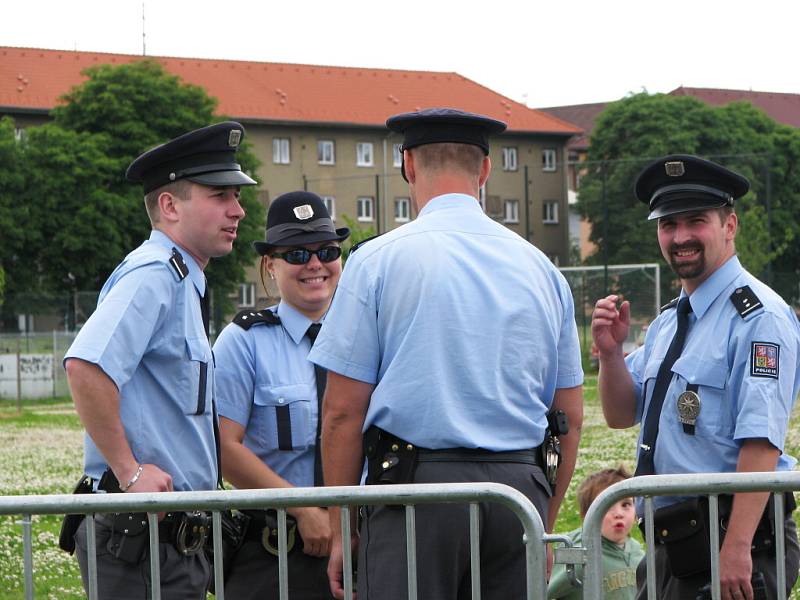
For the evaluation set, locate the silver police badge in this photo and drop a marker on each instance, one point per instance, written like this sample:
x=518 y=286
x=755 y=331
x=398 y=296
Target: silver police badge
x=234 y=138
x=674 y=168
x=688 y=410
x=303 y=212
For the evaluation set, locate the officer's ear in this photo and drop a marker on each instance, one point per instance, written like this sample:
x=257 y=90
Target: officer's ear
x=167 y=206
x=409 y=166
x=731 y=225
x=486 y=168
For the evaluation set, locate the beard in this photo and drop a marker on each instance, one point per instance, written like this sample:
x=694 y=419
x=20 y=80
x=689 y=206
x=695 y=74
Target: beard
x=688 y=269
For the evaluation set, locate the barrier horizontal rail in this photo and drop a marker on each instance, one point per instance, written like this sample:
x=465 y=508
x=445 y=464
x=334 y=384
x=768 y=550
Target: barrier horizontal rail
x=281 y=499
x=706 y=484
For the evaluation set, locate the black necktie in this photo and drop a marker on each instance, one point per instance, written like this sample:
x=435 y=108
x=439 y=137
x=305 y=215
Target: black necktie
x=205 y=311
x=647 y=449
x=321 y=376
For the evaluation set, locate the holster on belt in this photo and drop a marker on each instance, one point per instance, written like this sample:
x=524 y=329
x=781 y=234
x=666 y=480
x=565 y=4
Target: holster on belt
x=390 y=459
x=70 y=523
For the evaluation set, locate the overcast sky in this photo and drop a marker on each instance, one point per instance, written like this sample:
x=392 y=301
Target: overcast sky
x=543 y=53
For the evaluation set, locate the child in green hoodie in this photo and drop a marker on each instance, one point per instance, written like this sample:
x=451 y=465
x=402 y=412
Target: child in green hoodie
x=621 y=553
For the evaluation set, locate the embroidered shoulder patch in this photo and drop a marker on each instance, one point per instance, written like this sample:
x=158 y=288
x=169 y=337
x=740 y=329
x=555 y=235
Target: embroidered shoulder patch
x=764 y=358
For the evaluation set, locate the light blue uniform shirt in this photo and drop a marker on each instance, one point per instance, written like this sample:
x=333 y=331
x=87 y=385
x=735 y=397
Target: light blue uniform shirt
x=718 y=356
x=147 y=335
x=466 y=329
x=261 y=369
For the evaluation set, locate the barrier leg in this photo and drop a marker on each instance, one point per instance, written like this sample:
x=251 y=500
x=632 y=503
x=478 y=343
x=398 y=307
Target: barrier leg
x=219 y=582
x=411 y=552
x=91 y=556
x=27 y=555
x=155 y=568
x=283 y=557
x=474 y=550
x=649 y=529
x=347 y=553
x=780 y=545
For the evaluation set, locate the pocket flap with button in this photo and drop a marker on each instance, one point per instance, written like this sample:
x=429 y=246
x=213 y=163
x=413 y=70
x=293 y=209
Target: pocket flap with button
x=702 y=371
x=198 y=349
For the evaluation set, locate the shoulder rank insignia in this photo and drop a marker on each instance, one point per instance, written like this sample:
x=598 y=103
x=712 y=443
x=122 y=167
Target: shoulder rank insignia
x=177 y=264
x=247 y=318
x=671 y=304
x=745 y=301
x=764 y=359
x=355 y=247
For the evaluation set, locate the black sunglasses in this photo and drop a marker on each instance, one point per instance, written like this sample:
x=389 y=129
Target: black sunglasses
x=300 y=256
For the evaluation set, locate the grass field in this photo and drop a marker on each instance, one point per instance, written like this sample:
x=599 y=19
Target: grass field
x=41 y=453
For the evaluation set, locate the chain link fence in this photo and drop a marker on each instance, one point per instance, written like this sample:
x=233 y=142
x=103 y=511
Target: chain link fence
x=30 y=364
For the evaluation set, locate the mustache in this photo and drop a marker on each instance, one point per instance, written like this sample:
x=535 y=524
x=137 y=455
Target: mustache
x=684 y=247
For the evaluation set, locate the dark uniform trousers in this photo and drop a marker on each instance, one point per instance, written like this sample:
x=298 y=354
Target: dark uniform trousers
x=182 y=577
x=254 y=575
x=672 y=588
x=443 y=542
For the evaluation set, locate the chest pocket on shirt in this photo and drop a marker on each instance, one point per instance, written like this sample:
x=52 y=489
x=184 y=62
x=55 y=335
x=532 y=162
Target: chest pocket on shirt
x=282 y=415
x=711 y=376
x=198 y=398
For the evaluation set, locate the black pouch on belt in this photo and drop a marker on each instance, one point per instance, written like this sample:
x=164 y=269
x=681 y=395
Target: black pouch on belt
x=70 y=524
x=129 y=537
x=683 y=529
x=390 y=460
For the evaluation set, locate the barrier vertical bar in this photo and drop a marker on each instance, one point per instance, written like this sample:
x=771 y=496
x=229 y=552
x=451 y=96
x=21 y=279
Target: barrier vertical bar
x=474 y=550
x=780 y=545
x=411 y=552
x=155 y=571
x=27 y=555
x=713 y=533
x=91 y=555
x=347 y=553
x=283 y=568
x=216 y=532
x=649 y=534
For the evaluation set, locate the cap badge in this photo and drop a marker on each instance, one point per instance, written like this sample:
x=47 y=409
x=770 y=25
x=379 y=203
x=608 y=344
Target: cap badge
x=303 y=212
x=674 y=168
x=234 y=137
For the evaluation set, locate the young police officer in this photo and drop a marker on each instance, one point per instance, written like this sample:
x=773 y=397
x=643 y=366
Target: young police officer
x=714 y=383
x=140 y=370
x=448 y=341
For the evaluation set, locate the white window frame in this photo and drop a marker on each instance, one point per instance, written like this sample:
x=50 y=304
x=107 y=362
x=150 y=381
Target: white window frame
x=247 y=294
x=330 y=204
x=364 y=154
x=511 y=211
x=549 y=160
x=397 y=155
x=550 y=213
x=402 y=210
x=510 y=158
x=326 y=152
x=281 y=151
x=364 y=206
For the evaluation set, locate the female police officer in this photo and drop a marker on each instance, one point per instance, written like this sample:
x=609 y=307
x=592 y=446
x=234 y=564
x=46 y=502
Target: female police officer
x=268 y=396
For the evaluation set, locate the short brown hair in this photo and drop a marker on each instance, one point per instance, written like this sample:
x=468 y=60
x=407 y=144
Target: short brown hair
x=725 y=212
x=178 y=188
x=450 y=156
x=595 y=483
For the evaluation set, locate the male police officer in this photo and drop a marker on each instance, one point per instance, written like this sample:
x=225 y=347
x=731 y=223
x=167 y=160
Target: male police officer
x=140 y=370
x=448 y=341
x=714 y=383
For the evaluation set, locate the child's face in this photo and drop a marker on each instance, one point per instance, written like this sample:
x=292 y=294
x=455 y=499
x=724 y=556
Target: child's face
x=618 y=521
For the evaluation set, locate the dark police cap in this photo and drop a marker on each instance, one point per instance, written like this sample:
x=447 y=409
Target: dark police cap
x=681 y=183
x=206 y=156
x=439 y=125
x=298 y=218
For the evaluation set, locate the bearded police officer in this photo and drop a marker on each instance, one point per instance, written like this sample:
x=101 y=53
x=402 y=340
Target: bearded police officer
x=140 y=370
x=447 y=343
x=713 y=385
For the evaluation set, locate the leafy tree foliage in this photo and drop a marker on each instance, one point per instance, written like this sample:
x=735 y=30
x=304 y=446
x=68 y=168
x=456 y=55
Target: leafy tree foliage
x=632 y=132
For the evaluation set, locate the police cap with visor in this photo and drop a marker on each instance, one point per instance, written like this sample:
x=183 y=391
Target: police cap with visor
x=298 y=218
x=206 y=156
x=443 y=125
x=682 y=183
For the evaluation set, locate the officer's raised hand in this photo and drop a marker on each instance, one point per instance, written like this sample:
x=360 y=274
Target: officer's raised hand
x=315 y=529
x=610 y=325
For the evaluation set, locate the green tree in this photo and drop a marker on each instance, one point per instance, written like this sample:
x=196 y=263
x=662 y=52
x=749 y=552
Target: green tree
x=358 y=234
x=632 y=132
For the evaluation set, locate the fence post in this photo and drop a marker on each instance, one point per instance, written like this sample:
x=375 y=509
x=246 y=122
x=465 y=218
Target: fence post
x=55 y=340
x=19 y=380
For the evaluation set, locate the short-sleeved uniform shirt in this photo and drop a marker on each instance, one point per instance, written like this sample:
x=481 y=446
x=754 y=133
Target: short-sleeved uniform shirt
x=465 y=329
x=260 y=371
x=147 y=335
x=745 y=368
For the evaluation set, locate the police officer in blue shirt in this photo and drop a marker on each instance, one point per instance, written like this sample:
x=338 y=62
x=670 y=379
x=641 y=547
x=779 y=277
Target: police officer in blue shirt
x=714 y=383
x=448 y=341
x=140 y=370
x=269 y=394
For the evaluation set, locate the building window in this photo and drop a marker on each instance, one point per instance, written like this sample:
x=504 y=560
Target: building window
x=364 y=208
x=364 y=154
x=280 y=151
x=509 y=159
x=247 y=295
x=511 y=211
x=326 y=153
x=402 y=210
x=550 y=212
x=397 y=155
x=548 y=159
x=20 y=134
x=330 y=204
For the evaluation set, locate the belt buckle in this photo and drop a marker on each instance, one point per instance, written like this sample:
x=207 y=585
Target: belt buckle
x=192 y=533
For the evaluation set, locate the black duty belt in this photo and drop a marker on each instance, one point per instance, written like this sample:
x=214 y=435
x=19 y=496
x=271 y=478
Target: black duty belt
x=526 y=457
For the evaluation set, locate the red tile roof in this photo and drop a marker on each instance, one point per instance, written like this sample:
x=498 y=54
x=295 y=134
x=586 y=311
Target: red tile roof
x=582 y=115
x=783 y=108
x=34 y=79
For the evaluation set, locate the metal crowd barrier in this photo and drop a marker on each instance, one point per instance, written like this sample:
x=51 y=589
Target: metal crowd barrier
x=711 y=484
x=281 y=499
